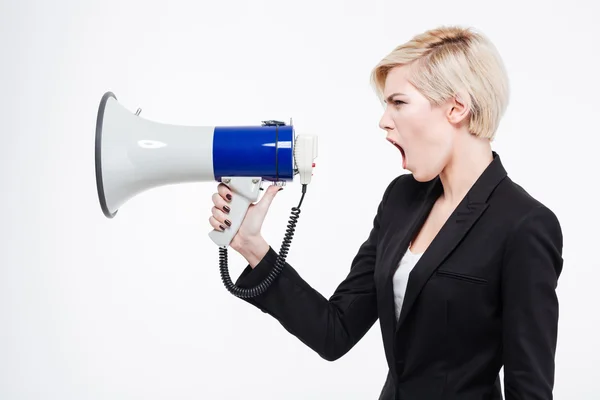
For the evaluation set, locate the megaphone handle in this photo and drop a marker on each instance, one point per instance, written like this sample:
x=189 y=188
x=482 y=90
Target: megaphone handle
x=257 y=290
x=245 y=191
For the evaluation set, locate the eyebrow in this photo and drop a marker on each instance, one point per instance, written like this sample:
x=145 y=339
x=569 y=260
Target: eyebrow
x=391 y=96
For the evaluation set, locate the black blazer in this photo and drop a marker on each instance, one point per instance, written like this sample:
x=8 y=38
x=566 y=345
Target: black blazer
x=482 y=296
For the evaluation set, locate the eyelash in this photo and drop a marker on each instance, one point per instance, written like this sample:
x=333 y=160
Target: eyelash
x=399 y=102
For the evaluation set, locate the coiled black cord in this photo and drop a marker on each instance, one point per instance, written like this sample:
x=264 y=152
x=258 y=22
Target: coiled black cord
x=279 y=264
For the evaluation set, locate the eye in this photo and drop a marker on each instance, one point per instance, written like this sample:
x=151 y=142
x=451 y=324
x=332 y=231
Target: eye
x=399 y=102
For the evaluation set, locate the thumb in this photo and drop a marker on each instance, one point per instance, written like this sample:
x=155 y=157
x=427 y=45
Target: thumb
x=268 y=197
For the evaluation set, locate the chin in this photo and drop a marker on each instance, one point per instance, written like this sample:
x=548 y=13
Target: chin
x=424 y=176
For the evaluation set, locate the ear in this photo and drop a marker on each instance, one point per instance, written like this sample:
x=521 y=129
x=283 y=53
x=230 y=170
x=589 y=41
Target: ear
x=459 y=109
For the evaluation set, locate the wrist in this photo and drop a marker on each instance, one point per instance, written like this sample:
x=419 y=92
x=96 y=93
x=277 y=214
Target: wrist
x=254 y=250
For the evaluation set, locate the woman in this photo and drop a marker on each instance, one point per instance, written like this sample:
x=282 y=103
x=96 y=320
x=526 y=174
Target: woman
x=461 y=264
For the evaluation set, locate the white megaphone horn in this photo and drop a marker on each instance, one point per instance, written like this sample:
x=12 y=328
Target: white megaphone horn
x=134 y=154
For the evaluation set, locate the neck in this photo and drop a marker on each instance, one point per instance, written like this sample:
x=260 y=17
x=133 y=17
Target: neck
x=470 y=158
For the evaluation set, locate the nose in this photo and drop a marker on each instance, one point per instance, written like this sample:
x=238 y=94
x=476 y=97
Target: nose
x=386 y=123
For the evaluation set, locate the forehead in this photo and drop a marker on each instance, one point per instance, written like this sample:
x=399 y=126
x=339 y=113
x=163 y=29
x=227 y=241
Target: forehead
x=397 y=81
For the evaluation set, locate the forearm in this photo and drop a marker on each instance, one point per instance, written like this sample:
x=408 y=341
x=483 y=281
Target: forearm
x=331 y=327
x=254 y=250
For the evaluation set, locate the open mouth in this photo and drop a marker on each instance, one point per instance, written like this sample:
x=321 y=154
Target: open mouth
x=400 y=148
x=402 y=152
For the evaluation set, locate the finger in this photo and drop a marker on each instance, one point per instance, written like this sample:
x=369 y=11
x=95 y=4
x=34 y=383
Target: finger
x=215 y=224
x=224 y=191
x=220 y=217
x=220 y=203
x=269 y=195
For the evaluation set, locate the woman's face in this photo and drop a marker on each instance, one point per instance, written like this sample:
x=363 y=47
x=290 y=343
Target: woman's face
x=423 y=133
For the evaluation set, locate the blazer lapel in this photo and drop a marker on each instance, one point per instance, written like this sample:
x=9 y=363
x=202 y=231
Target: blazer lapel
x=405 y=222
x=452 y=232
x=409 y=220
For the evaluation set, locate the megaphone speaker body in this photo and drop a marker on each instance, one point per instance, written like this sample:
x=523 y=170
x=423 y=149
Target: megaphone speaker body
x=134 y=154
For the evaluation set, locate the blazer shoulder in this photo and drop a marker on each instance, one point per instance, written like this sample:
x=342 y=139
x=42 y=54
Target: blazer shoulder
x=518 y=204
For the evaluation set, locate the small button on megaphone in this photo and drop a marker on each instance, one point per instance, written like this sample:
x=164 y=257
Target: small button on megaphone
x=133 y=154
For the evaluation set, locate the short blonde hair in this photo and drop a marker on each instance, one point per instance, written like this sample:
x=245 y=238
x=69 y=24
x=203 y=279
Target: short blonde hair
x=449 y=61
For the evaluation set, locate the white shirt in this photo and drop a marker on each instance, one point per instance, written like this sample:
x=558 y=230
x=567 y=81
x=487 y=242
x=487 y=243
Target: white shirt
x=401 y=278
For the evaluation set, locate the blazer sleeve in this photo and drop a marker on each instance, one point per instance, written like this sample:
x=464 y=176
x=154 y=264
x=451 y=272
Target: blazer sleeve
x=331 y=327
x=532 y=265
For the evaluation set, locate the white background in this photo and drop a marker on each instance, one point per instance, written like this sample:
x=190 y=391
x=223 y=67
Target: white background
x=133 y=307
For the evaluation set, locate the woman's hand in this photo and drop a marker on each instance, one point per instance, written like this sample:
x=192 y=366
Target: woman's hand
x=248 y=240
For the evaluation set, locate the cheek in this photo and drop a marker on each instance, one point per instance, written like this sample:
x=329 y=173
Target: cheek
x=422 y=132
x=432 y=132
x=417 y=131
x=411 y=125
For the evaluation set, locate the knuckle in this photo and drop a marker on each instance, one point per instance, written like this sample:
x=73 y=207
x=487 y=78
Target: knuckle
x=223 y=189
x=219 y=198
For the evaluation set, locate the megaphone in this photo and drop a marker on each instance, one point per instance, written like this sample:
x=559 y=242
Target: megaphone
x=133 y=155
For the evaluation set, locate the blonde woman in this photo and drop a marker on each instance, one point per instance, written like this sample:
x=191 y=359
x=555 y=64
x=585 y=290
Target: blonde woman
x=461 y=265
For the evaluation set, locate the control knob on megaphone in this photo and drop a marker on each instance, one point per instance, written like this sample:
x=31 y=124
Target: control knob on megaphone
x=133 y=154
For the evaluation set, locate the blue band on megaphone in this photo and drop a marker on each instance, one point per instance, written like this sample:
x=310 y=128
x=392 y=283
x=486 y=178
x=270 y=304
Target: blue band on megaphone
x=263 y=151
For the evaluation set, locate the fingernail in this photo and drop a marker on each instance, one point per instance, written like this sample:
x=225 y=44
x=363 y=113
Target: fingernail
x=226 y=209
x=228 y=222
x=228 y=196
x=222 y=227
